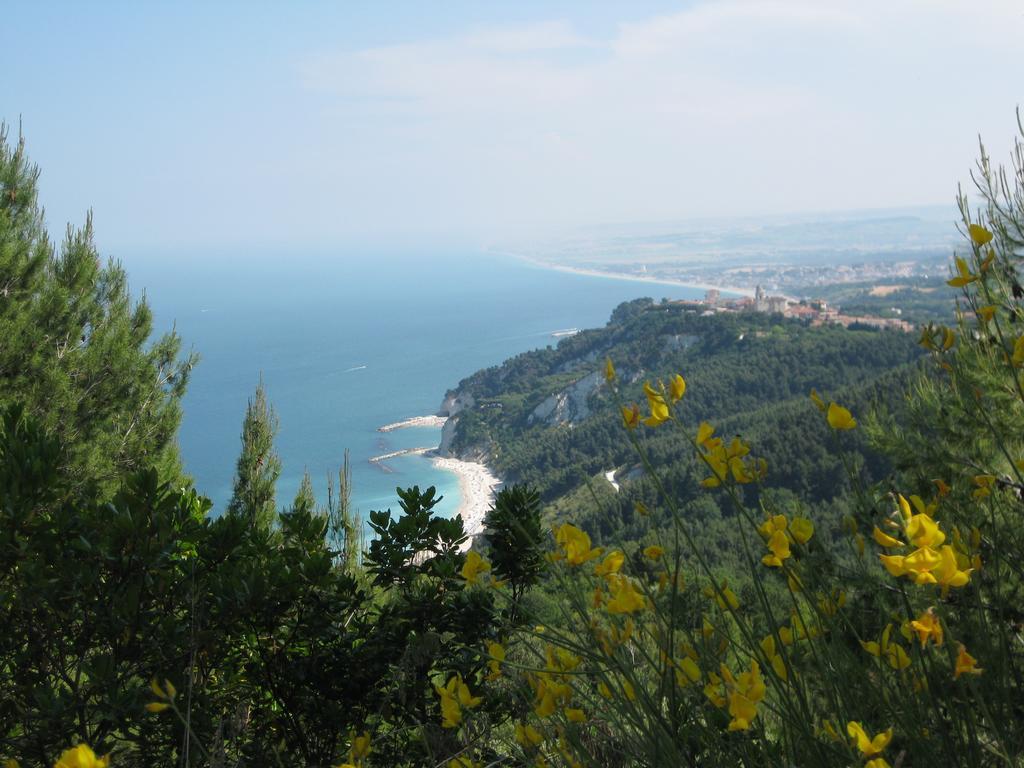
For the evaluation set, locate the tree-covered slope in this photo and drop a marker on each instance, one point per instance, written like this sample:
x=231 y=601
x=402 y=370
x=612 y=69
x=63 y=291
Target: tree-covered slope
x=546 y=418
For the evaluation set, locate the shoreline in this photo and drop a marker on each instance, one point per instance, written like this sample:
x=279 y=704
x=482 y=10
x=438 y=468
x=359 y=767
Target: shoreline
x=415 y=421
x=477 y=486
x=747 y=292
x=401 y=452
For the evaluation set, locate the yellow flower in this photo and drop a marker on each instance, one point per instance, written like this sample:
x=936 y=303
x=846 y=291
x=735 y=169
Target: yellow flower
x=631 y=416
x=360 y=748
x=474 y=567
x=657 y=405
x=894 y=564
x=687 y=671
x=986 y=313
x=732 y=460
x=779 y=546
x=963 y=277
x=830 y=604
x=604 y=690
x=528 y=736
x=928 y=625
x=166 y=692
x=983 y=485
x=609 y=370
x=986 y=263
x=723 y=597
x=801 y=529
x=624 y=596
x=611 y=564
x=904 y=506
x=884 y=539
x=924 y=532
x=966 y=664
x=455 y=696
x=868 y=746
x=920 y=563
x=653 y=552
x=81 y=757
x=545 y=704
x=839 y=418
x=157 y=706
x=829 y=730
x=947 y=572
x=774 y=658
x=745 y=692
x=704 y=433
x=464 y=762
x=979 y=235
x=497 y=653
x=948 y=340
x=451 y=713
x=575 y=715
x=772 y=524
x=575 y=545
x=893 y=653
x=641 y=509
x=677 y=388
x=713 y=690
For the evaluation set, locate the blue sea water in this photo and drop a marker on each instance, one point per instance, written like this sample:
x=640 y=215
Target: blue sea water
x=348 y=342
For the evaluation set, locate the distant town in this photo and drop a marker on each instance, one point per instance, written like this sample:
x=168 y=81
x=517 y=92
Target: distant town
x=813 y=311
x=886 y=269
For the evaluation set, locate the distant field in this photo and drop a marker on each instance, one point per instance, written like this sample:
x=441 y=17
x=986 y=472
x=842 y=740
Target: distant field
x=916 y=300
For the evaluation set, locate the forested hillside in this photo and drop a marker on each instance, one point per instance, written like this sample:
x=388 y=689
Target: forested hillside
x=546 y=419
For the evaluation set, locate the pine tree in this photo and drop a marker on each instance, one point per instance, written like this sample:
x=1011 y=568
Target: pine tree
x=258 y=465
x=75 y=350
x=305 y=499
x=344 y=527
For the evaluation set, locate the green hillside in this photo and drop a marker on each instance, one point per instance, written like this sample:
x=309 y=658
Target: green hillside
x=547 y=419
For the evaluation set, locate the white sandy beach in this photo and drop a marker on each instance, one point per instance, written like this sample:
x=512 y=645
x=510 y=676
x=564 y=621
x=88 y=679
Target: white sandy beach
x=478 y=486
x=633 y=278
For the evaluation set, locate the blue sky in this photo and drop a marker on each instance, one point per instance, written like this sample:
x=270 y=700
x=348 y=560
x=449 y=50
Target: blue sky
x=329 y=124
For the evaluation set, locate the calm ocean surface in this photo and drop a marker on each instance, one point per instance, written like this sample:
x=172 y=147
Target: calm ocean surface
x=348 y=343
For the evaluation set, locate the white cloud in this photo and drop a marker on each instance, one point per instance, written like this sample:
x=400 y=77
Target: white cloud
x=727 y=107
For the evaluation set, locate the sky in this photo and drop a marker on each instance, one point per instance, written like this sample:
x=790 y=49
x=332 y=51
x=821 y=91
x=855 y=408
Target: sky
x=222 y=125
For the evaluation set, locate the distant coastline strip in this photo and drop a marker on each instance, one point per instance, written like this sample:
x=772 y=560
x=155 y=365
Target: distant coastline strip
x=403 y=452
x=415 y=421
x=613 y=275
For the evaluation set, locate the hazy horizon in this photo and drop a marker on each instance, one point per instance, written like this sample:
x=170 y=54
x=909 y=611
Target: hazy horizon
x=323 y=126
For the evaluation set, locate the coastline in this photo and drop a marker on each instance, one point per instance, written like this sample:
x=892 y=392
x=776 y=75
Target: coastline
x=633 y=278
x=477 y=485
x=415 y=421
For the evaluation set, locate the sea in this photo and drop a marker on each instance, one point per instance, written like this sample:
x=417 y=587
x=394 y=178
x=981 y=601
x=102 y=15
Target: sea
x=347 y=342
